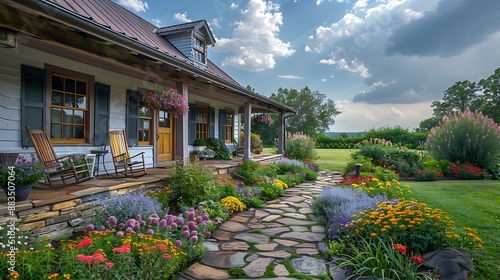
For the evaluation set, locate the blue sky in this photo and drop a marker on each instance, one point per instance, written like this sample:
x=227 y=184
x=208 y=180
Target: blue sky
x=382 y=62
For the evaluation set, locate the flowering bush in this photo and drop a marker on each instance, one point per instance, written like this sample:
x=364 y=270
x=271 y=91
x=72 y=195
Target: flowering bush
x=465 y=137
x=335 y=206
x=233 y=204
x=151 y=248
x=250 y=196
x=422 y=228
x=391 y=189
x=169 y=101
x=301 y=147
x=464 y=171
x=263 y=118
x=427 y=174
x=269 y=188
x=23 y=173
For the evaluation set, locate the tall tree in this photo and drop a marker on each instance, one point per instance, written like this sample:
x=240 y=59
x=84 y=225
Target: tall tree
x=458 y=97
x=491 y=96
x=315 y=112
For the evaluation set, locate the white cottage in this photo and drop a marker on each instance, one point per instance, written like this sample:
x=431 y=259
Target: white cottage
x=77 y=68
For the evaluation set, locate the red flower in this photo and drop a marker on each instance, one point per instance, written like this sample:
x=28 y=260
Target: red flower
x=84 y=243
x=418 y=259
x=83 y=258
x=122 y=249
x=401 y=248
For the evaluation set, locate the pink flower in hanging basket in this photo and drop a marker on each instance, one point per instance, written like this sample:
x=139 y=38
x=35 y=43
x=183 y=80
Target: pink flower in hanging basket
x=170 y=101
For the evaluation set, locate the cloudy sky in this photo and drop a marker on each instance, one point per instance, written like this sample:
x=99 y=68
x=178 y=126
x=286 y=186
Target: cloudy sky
x=382 y=61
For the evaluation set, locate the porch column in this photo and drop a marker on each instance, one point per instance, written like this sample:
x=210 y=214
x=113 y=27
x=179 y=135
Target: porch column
x=281 y=133
x=247 y=134
x=181 y=128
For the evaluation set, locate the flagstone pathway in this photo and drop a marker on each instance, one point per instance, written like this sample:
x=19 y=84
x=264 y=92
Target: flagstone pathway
x=256 y=238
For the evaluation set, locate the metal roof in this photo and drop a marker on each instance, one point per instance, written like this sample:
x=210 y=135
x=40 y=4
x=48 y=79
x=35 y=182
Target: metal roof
x=113 y=17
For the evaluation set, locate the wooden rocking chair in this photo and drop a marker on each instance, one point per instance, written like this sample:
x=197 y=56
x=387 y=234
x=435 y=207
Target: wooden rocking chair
x=63 y=167
x=130 y=166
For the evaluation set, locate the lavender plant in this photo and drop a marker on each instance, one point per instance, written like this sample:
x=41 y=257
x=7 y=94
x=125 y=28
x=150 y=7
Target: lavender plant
x=466 y=137
x=336 y=205
x=127 y=206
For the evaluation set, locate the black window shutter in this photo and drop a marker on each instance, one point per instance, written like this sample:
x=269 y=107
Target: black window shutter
x=192 y=123
x=212 y=122
x=101 y=117
x=132 y=121
x=32 y=101
x=222 y=125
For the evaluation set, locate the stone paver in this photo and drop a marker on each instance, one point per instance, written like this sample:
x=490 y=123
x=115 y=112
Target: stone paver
x=284 y=223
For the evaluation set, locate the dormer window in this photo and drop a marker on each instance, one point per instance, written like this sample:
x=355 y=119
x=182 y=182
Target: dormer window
x=191 y=39
x=200 y=50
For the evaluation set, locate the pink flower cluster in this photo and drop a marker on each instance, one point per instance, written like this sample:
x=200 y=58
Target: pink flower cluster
x=169 y=101
x=264 y=118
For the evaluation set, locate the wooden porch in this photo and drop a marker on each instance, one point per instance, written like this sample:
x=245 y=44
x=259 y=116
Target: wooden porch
x=52 y=211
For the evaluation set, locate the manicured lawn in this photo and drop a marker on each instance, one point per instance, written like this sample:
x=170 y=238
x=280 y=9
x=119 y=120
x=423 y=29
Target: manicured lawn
x=333 y=159
x=470 y=203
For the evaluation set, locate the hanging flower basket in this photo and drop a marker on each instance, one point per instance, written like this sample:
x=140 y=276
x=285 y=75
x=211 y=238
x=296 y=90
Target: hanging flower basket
x=169 y=101
x=263 y=118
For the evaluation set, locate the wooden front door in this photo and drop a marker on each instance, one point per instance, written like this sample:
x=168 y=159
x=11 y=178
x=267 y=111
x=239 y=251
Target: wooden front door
x=165 y=137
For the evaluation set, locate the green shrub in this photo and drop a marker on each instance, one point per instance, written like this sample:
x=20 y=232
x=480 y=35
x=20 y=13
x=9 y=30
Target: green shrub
x=269 y=189
x=466 y=137
x=219 y=147
x=192 y=184
x=252 y=171
x=366 y=164
x=300 y=147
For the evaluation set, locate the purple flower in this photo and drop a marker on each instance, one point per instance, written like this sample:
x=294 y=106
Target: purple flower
x=119 y=234
x=199 y=209
x=190 y=216
x=121 y=225
x=186 y=233
x=180 y=221
x=185 y=227
x=137 y=226
x=102 y=228
x=129 y=230
x=163 y=223
x=112 y=221
x=138 y=217
x=178 y=243
x=142 y=223
x=194 y=239
x=155 y=216
x=154 y=221
x=194 y=232
x=150 y=232
x=89 y=227
x=170 y=219
x=130 y=222
x=192 y=225
x=208 y=234
x=199 y=219
x=205 y=217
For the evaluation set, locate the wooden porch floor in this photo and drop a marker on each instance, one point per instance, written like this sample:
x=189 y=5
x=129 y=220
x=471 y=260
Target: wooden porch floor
x=42 y=194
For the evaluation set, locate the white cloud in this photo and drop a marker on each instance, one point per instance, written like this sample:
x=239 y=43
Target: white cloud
x=182 y=17
x=255 y=43
x=135 y=5
x=215 y=23
x=360 y=115
x=234 y=6
x=289 y=77
x=156 y=21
